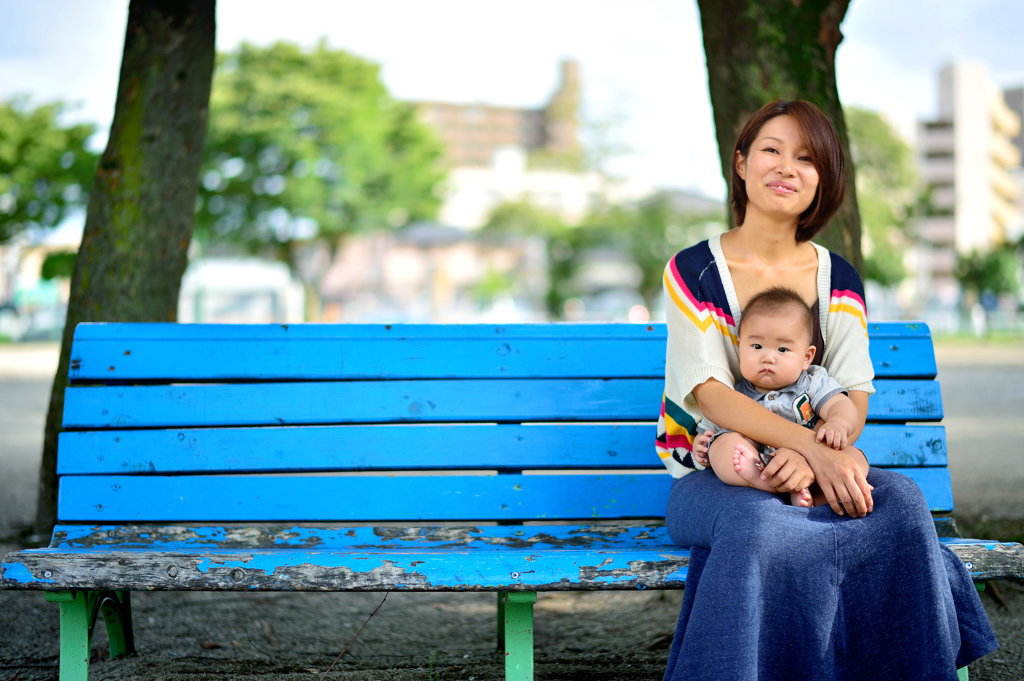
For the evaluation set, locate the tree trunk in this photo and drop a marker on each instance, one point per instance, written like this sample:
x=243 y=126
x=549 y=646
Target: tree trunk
x=139 y=221
x=761 y=50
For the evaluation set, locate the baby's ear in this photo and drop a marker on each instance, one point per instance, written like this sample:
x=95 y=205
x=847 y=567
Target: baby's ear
x=809 y=356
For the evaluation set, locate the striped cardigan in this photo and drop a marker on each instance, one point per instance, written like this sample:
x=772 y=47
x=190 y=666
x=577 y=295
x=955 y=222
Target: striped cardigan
x=703 y=314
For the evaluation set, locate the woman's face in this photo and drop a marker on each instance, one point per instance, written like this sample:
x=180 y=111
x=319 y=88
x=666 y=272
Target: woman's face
x=778 y=171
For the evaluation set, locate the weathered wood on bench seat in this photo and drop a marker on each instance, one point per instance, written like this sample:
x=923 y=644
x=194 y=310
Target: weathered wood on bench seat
x=513 y=459
x=543 y=558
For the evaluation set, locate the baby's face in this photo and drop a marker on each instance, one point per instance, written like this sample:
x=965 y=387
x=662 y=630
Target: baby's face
x=774 y=350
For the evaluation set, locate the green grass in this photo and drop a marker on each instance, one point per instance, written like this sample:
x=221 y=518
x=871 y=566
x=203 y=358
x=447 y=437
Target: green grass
x=432 y=674
x=984 y=527
x=995 y=338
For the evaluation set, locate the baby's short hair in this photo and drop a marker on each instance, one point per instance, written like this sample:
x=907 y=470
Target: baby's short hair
x=778 y=300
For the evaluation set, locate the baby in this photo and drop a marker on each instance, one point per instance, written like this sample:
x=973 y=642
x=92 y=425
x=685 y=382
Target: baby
x=775 y=354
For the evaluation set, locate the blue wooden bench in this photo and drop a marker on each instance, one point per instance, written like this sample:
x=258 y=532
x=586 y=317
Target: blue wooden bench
x=511 y=459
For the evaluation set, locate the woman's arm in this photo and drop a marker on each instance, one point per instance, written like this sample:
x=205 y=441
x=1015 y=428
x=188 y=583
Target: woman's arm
x=840 y=474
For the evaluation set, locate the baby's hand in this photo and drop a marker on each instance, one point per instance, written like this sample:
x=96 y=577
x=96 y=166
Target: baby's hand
x=700 y=448
x=834 y=433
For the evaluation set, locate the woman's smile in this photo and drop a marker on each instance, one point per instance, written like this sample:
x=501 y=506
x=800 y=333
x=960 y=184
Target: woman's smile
x=780 y=187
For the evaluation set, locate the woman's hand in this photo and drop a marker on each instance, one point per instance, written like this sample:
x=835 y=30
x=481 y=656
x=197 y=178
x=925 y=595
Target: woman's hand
x=788 y=472
x=842 y=476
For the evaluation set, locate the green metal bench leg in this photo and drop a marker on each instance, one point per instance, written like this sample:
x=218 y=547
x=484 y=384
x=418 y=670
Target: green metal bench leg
x=78 y=610
x=518 y=634
x=116 y=607
x=962 y=673
x=75 y=631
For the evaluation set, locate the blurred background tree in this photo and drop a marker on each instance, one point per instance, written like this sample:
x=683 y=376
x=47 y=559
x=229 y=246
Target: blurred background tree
x=996 y=272
x=645 y=235
x=523 y=220
x=651 y=232
x=886 y=193
x=305 y=147
x=45 y=166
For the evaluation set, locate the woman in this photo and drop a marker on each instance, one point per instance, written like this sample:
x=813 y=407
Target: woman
x=855 y=589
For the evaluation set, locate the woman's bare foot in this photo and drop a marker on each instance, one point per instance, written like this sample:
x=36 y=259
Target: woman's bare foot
x=745 y=460
x=803 y=498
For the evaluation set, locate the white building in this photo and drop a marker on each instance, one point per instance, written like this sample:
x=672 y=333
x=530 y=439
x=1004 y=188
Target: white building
x=965 y=158
x=239 y=291
x=472 y=192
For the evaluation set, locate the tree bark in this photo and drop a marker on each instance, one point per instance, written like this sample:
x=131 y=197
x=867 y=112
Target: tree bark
x=761 y=50
x=139 y=220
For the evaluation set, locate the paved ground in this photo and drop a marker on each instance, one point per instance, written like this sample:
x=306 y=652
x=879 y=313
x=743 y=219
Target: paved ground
x=594 y=635
x=983 y=396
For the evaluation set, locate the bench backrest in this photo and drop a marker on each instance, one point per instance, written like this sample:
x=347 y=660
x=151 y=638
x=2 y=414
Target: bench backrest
x=342 y=423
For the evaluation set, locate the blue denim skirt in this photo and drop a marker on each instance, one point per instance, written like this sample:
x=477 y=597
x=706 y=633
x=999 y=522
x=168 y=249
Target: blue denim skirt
x=778 y=592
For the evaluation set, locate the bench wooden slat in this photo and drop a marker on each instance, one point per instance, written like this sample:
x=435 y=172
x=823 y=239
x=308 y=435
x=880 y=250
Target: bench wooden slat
x=415 y=358
x=898 y=329
x=905 y=400
x=118 y=331
x=347 y=498
x=302 y=570
x=888 y=445
x=370 y=359
x=591 y=537
x=425 y=447
x=362 y=402
x=154 y=406
x=903 y=357
x=653 y=537
x=417 y=569
x=358 y=498
x=988 y=559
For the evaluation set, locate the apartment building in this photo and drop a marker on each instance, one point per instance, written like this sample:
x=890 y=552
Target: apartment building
x=472 y=133
x=967 y=160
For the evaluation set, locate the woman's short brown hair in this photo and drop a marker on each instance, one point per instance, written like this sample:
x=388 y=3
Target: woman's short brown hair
x=822 y=140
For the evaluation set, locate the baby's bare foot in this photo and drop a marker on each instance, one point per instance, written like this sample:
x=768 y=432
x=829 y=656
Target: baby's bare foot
x=802 y=498
x=745 y=460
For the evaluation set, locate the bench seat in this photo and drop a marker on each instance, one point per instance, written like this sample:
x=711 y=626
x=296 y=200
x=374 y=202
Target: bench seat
x=424 y=558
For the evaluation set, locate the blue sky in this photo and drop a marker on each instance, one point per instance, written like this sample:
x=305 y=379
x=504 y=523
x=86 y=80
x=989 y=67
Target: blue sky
x=643 y=60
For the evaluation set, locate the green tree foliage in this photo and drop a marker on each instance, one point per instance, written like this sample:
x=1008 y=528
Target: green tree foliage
x=886 y=186
x=309 y=144
x=522 y=219
x=45 y=167
x=996 y=271
x=651 y=233
x=59 y=265
x=648 y=234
